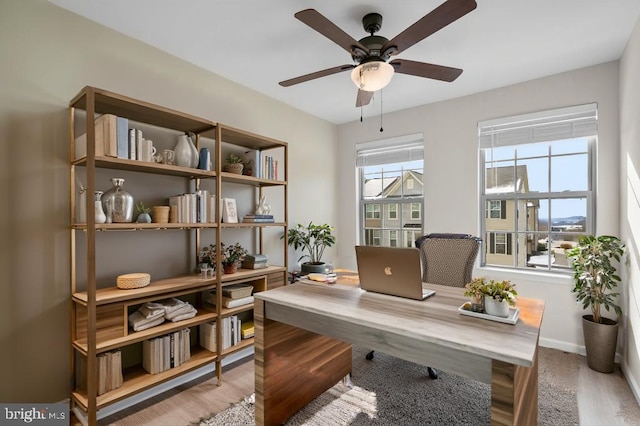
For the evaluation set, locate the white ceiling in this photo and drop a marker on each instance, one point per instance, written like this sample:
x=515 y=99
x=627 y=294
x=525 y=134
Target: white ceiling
x=258 y=43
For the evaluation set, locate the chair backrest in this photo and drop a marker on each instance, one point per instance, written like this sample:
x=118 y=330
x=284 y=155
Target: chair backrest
x=448 y=259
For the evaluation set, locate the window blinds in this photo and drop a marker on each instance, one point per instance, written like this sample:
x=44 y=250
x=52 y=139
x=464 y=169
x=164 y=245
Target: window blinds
x=563 y=123
x=397 y=153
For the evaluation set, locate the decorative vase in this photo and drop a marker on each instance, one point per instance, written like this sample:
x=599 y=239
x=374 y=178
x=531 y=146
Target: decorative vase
x=204 y=162
x=99 y=212
x=144 y=218
x=498 y=308
x=230 y=268
x=263 y=207
x=118 y=203
x=186 y=154
x=476 y=304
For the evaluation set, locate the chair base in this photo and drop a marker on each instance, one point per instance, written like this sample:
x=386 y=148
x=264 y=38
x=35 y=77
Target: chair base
x=433 y=373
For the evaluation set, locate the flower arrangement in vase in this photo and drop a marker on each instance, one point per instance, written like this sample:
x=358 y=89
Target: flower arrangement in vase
x=143 y=213
x=496 y=296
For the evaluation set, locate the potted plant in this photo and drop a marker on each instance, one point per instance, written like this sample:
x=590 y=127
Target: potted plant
x=207 y=257
x=473 y=290
x=143 y=213
x=313 y=239
x=234 y=164
x=232 y=255
x=594 y=279
x=497 y=296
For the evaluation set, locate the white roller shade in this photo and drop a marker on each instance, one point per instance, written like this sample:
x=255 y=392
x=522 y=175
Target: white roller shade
x=563 y=123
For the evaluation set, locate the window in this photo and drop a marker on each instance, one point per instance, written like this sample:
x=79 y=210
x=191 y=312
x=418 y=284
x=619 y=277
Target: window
x=537 y=186
x=496 y=209
x=373 y=211
x=393 y=211
x=390 y=191
x=393 y=238
x=416 y=211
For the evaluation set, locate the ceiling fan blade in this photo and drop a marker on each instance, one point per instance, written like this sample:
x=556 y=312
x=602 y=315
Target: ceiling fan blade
x=318 y=22
x=422 y=69
x=317 y=74
x=363 y=98
x=440 y=17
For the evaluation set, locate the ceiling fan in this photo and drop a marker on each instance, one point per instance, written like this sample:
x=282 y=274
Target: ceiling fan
x=372 y=69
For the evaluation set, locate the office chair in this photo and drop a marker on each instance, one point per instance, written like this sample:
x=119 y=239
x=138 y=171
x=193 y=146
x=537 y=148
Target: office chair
x=447 y=259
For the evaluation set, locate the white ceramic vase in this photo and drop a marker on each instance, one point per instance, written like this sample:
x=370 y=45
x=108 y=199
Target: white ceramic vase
x=498 y=308
x=186 y=154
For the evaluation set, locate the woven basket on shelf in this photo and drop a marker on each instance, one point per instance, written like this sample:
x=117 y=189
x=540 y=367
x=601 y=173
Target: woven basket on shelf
x=131 y=281
x=235 y=168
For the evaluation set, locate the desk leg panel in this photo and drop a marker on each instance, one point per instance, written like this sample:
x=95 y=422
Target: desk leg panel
x=514 y=393
x=292 y=367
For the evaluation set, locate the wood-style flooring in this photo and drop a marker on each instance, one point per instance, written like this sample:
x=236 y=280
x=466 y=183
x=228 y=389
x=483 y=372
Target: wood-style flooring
x=603 y=399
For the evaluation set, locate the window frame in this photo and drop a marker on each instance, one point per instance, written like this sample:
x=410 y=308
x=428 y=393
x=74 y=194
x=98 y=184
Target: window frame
x=529 y=233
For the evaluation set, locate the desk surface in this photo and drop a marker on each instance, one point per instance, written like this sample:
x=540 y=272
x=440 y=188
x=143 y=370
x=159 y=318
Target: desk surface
x=435 y=320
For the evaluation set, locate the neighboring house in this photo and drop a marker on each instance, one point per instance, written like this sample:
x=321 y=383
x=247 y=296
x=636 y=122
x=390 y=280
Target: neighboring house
x=501 y=216
x=389 y=223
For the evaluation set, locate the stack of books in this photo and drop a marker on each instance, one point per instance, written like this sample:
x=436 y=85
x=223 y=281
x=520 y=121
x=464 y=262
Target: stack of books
x=165 y=352
x=246 y=329
x=258 y=218
x=109 y=372
x=255 y=261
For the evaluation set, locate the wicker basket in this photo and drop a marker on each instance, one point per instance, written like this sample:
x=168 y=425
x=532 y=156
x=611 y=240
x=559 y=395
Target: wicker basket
x=235 y=168
x=131 y=281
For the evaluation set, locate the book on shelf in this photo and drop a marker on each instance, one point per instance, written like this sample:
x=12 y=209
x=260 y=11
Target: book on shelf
x=208 y=337
x=109 y=372
x=253 y=219
x=164 y=352
x=122 y=130
x=247 y=329
x=256 y=265
x=106 y=138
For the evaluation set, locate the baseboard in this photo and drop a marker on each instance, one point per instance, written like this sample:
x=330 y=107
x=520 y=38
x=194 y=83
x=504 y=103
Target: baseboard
x=561 y=345
x=633 y=384
x=165 y=386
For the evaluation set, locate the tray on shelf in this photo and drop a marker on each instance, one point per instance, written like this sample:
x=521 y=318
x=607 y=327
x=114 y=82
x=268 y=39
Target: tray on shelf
x=512 y=318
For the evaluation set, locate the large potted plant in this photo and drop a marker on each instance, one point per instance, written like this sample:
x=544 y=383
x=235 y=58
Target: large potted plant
x=594 y=280
x=313 y=240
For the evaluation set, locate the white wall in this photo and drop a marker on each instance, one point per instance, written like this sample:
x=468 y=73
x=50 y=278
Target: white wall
x=47 y=55
x=451 y=173
x=630 y=204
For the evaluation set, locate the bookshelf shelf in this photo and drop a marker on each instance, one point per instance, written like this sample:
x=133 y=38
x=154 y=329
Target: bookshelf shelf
x=100 y=310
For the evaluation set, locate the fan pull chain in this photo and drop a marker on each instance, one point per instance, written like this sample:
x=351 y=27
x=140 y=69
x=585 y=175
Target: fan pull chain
x=381 y=129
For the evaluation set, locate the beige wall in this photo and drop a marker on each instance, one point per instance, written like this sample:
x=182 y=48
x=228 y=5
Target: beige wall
x=630 y=204
x=46 y=56
x=451 y=156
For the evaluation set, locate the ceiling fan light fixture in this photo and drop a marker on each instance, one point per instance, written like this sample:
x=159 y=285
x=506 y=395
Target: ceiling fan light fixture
x=372 y=76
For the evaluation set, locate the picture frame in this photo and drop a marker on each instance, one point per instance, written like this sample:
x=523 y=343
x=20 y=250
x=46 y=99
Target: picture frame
x=229 y=210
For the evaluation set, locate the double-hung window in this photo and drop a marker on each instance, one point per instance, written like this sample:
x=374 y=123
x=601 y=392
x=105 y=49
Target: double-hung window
x=390 y=191
x=537 y=186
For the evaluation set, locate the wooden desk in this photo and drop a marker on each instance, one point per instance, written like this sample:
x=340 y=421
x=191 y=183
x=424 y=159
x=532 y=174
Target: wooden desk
x=300 y=350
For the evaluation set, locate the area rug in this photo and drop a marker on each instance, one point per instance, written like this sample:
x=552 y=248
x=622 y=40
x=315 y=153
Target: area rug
x=390 y=391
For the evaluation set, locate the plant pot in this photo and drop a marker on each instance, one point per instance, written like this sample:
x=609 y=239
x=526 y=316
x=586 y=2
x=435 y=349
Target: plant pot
x=600 y=341
x=230 y=268
x=235 y=168
x=498 y=308
x=313 y=268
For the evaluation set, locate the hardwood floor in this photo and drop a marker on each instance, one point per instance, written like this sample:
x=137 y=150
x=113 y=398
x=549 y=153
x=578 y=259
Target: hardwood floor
x=603 y=399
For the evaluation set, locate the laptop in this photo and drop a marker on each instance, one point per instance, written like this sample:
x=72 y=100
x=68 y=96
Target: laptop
x=391 y=270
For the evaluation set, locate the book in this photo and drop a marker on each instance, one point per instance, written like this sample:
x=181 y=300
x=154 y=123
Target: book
x=122 y=130
x=132 y=144
x=228 y=302
x=260 y=265
x=257 y=220
x=247 y=329
x=259 y=216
